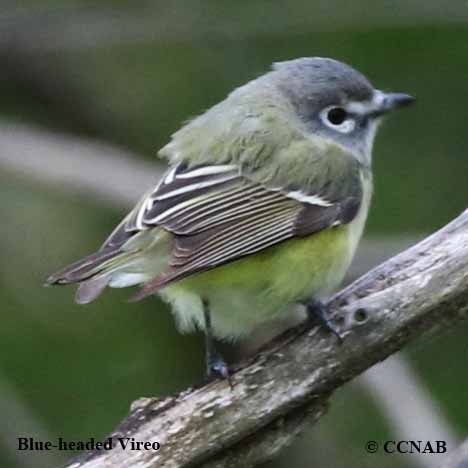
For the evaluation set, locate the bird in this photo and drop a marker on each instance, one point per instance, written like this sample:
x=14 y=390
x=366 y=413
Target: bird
x=261 y=208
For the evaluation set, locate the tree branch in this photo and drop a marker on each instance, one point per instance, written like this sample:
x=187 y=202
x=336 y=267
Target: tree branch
x=458 y=458
x=77 y=165
x=408 y=408
x=62 y=28
x=422 y=290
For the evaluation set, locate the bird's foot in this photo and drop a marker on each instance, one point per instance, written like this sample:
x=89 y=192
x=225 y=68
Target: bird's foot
x=216 y=368
x=317 y=312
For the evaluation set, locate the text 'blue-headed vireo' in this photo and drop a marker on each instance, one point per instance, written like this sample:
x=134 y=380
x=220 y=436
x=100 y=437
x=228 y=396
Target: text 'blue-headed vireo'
x=262 y=207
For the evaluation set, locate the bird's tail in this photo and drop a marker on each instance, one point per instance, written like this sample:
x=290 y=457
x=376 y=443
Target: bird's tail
x=92 y=272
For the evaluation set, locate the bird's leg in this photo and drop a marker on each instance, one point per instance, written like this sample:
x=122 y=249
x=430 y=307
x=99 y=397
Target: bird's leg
x=317 y=311
x=215 y=365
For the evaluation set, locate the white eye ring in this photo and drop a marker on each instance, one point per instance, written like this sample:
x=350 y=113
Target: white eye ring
x=347 y=126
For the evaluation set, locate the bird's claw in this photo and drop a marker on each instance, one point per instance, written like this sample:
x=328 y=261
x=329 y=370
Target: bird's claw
x=317 y=312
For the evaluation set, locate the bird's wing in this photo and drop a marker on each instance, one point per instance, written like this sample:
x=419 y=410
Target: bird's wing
x=217 y=215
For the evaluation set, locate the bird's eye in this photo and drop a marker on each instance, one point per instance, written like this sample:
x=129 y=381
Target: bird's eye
x=336 y=115
x=338 y=119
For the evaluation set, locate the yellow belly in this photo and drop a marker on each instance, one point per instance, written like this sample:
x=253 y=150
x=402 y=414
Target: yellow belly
x=244 y=294
x=255 y=289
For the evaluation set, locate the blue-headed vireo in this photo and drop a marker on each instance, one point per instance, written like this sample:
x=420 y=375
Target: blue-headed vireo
x=262 y=207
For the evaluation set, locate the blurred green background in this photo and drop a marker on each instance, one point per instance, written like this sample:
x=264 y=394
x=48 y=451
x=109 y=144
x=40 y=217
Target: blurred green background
x=130 y=73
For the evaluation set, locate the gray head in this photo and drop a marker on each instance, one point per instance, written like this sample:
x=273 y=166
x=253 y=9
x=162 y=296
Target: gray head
x=335 y=101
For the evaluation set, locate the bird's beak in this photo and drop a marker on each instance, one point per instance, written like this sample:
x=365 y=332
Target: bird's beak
x=385 y=102
x=380 y=104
